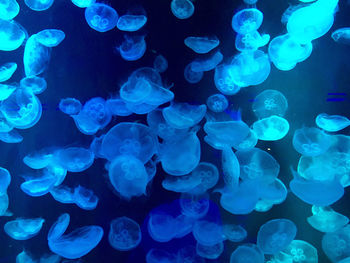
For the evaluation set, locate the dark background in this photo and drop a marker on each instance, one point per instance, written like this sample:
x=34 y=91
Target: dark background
x=86 y=65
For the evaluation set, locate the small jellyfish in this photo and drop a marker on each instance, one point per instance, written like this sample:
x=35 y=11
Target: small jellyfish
x=5 y=180
x=342 y=35
x=25 y=257
x=23 y=229
x=181 y=184
x=131 y=23
x=160 y=63
x=247 y=20
x=207 y=64
x=247 y=253
x=101 y=17
x=11 y=35
x=50 y=37
x=202 y=45
x=38 y=186
x=161 y=226
x=234 y=233
x=194 y=206
x=269 y=102
x=272 y=128
x=70 y=106
x=63 y=194
x=274 y=193
x=210 y=252
x=223 y=79
x=59 y=227
x=132 y=48
x=118 y=107
x=192 y=76
x=36 y=85
x=217 y=103
x=208 y=233
x=6 y=91
x=7 y=70
x=182 y=9
x=251 y=41
x=74 y=159
x=39 y=159
x=4 y=204
x=83 y=3
x=302 y=251
x=124 y=234
x=336 y=245
x=11 y=137
x=332 y=123
x=39 y=5
x=85 y=198
x=9 y=9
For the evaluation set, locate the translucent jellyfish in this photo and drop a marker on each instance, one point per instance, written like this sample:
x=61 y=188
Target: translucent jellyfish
x=11 y=137
x=136 y=91
x=39 y=159
x=276 y=235
x=182 y=9
x=131 y=23
x=311 y=141
x=5 y=180
x=161 y=226
x=194 y=206
x=247 y=253
x=230 y=168
x=325 y=219
x=124 y=234
x=7 y=70
x=250 y=68
x=128 y=138
x=192 y=76
x=59 y=227
x=210 y=252
x=188 y=254
x=63 y=194
x=207 y=175
x=223 y=79
x=128 y=176
x=342 y=35
x=208 y=233
x=217 y=103
x=183 y=225
x=38 y=186
x=247 y=20
x=74 y=159
x=132 y=48
x=160 y=64
x=118 y=107
x=9 y=9
x=70 y=106
x=273 y=193
x=50 y=259
x=181 y=184
x=234 y=233
x=208 y=63
x=251 y=41
x=25 y=257
x=36 y=85
x=248 y=143
x=272 y=128
x=6 y=91
x=83 y=3
x=332 y=123
x=181 y=155
x=36 y=57
x=202 y=45
x=269 y=102
x=302 y=251
x=23 y=229
x=39 y=5
x=94 y=116
x=50 y=37
x=12 y=35
x=85 y=198
x=160 y=256
x=285 y=52
x=101 y=17
x=5 y=126
x=4 y=204
x=336 y=245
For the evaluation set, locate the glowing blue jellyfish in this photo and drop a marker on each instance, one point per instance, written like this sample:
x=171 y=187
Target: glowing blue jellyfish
x=70 y=106
x=207 y=64
x=12 y=136
x=311 y=141
x=5 y=180
x=270 y=102
x=234 y=233
x=285 y=52
x=273 y=193
x=4 y=204
x=74 y=159
x=124 y=234
x=208 y=233
x=9 y=9
x=25 y=257
x=194 y=206
x=11 y=35
x=302 y=251
x=247 y=253
x=223 y=79
x=207 y=174
x=272 y=128
x=85 y=198
x=202 y=45
x=161 y=226
x=7 y=70
x=192 y=76
x=128 y=176
x=36 y=57
x=132 y=48
x=23 y=229
x=5 y=126
x=181 y=184
x=276 y=235
x=50 y=37
x=248 y=143
x=247 y=20
x=182 y=9
x=65 y=194
x=39 y=159
x=36 y=85
x=251 y=41
x=6 y=91
x=210 y=252
x=39 y=5
x=38 y=186
x=342 y=35
x=332 y=123
x=160 y=256
x=230 y=168
x=188 y=254
x=101 y=17
x=83 y=3
x=59 y=227
x=131 y=23
x=118 y=107
x=160 y=64
x=336 y=245
x=217 y=103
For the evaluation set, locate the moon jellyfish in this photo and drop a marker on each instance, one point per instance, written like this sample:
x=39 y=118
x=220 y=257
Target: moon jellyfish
x=161 y=226
x=70 y=106
x=194 y=206
x=311 y=141
x=4 y=204
x=188 y=254
x=302 y=251
x=234 y=233
x=50 y=37
x=11 y=35
x=207 y=64
x=38 y=186
x=5 y=180
x=276 y=235
x=74 y=159
x=9 y=9
x=85 y=198
x=332 y=123
x=182 y=9
x=59 y=227
x=181 y=184
x=12 y=136
x=160 y=256
x=223 y=79
x=83 y=3
x=101 y=17
x=131 y=23
x=249 y=142
x=217 y=103
x=272 y=128
x=269 y=102
x=132 y=48
x=7 y=70
x=6 y=91
x=36 y=85
x=202 y=45
x=251 y=41
x=65 y=195
x=230 y=168
x=23 y=229
x=336 y=245
x=118 y=107
x=124 y=234
x=160 y=64
x=25 y=257
x=208 y=233
x=39 y=5
x=208 y=176
x=342 y=35
x=247 y=20
x=39 y=159
x=273 y=193
x=210 y=252
x=247 y=253
x=192 y=76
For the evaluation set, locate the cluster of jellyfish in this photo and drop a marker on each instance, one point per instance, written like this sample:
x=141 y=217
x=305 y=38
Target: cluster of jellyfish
x=132 y=150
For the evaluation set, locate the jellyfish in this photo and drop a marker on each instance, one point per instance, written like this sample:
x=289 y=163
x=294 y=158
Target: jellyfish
x=124 y=234
x=118 y=107
x=342 y=35
x=251 y=41
x=210 y=252
x=182 y=9
x=230 y=168
x=208 y=233
x=336 y=245
x=217 y=102
x=38 y=186
x=12 y=136
x=160 y=256
x=247 y=20
x=23 y=229
x=70 y=106
x=136 y=91
x=59 y=227
x=132 y=48
x=5 y=180
x=249 y=142
x=183 y=225
x=74 y=159
x=39 y=5
x=131 y=23
x=223 y=79
x=83 y=3
x=207 y=175
x=192 y=76
x=101 y=17
x=202 y=45
x=302 y=251
x=181 y=184
x=273 y=193
x=12 y=35
x=188 y=253
x=272 y=128
x=234 y=233
x=25 y=257
x=7 y=70
x=4 y=204
x=9 y=9
x=332 y=123
x=6 y=91
x=161 y=226
x=5 y=126
x=50 y=37
x=63 y=194
x=207 y=64
x=39 y=159
x=36 y=85
x=194 y=206
x=270 y=102
x=85 y=198
x=247 y=253
x=160 y=64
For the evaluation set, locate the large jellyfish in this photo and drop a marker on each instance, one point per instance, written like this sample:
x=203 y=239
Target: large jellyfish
x=101 y=17
x=11 y=35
